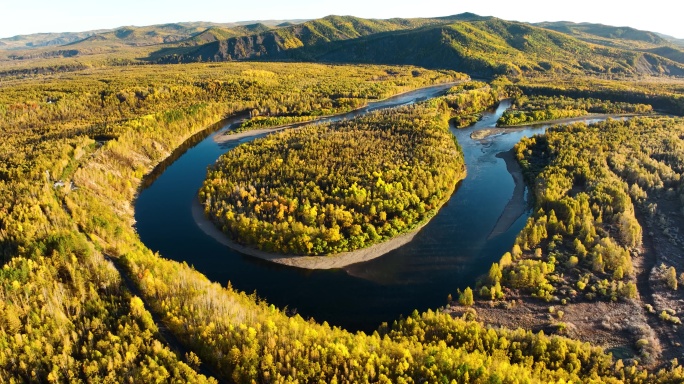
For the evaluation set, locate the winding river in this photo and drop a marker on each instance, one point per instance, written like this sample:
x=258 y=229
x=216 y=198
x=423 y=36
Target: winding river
x=477 y=225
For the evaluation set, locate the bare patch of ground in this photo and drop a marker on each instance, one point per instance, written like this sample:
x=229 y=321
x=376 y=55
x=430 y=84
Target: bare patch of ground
x=229 y=136
x=485 y=133
x=616 y=327
x=633 y=328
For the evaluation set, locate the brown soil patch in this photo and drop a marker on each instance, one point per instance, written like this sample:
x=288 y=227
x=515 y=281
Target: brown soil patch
x=603 y=324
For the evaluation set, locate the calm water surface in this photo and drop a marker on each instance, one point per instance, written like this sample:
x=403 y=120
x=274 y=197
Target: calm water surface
x=448 y=253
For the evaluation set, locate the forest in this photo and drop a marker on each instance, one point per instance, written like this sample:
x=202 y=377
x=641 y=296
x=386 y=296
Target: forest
x=662 y=95
x=82 y=299
x=338 y=187
x=605 y=227
x=526 y=110
x=469 y=99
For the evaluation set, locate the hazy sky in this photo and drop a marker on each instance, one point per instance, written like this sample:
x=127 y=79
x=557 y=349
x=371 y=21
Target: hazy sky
x=33 y=16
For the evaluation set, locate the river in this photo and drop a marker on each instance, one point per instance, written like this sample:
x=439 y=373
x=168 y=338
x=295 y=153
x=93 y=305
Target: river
x=450 y=252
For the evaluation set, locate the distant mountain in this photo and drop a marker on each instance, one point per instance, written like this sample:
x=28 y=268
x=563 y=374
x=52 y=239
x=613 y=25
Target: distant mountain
x=483 y=46
x=478 y=45
x=175 y=33
x=272 y=23
x=599 y=33
x=673 y=53
x=39 y=40
x=137 y=36
x=673 y=40
x=140 y=36
x=309 y=34
x=622 y=37
x=222 y=33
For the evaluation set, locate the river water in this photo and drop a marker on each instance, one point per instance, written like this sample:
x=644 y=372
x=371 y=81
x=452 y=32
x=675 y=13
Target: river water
x=450 y=252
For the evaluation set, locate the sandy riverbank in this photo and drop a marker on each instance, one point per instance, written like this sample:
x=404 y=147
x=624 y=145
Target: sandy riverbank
x=225 y=137
x=517 y=205
x=229 y=136
x=339 y=260
x=488 y=132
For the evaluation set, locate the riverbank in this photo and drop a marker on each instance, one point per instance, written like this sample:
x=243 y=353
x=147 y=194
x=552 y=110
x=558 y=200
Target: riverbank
x=231 y=135
x=417 y=275
x=339 y=260
x=226 y=137
x=517 y=205
x=489 y=132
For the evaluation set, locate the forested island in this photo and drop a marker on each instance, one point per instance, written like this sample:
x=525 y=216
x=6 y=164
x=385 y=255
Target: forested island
x=327 y=189
x=591 y=290
x=529 y=110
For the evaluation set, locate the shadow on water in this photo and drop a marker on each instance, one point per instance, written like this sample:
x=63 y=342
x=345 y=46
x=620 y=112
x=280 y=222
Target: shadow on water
x=449 y=253
x=195 y=139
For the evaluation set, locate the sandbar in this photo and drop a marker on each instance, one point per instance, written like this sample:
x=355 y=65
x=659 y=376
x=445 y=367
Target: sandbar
x=517 y=205
x=338 y=260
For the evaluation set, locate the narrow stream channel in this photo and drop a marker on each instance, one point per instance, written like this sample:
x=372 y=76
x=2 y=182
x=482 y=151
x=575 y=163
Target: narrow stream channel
x=449 y=253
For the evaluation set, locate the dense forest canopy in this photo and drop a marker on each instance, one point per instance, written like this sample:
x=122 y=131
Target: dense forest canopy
x=82 y=296
x=597 y=189
x=337 y=187
x=533 y=109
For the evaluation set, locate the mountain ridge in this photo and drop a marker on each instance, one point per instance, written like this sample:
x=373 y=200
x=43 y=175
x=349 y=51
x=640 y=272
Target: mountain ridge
x=479 y=45
x=185 y=29
x=482 y=46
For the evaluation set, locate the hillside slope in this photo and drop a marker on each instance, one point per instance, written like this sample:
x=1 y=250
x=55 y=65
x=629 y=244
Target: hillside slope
x=141 y=35
x=481 y=46
x=308 y=34
x=43 y=39
x=217 y=33
x=621 y=37
x=469 y=43
x=673 y=40
x=604 y=33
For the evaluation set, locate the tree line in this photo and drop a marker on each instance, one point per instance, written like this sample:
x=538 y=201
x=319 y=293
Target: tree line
x=530 y=109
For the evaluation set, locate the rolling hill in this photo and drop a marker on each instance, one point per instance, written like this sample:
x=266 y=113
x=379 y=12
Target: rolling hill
x=673 y=40
x=309 y=34
x=482 y=46
x=129 y=42
x=144 y=35
x=216 y=33
x=605 y=34
x=622 y=37
x=39 y=40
